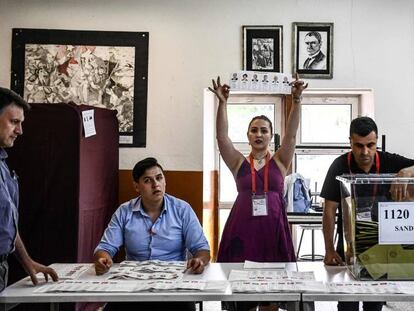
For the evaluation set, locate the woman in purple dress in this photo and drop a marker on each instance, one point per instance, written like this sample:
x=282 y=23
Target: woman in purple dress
x=257 y=228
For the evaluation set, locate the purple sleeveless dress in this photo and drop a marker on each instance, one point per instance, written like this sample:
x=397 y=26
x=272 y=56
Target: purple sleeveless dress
x=257 y=238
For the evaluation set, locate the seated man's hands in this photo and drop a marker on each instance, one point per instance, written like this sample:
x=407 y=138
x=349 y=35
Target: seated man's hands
x=195 y=265
x=103 y=262
x=198 y=262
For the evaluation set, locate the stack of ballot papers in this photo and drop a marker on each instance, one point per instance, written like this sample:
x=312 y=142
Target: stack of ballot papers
x=365 y=288
x=268 y=281
x=149 y=270
x=270 y=275
x=277 y=286
x=67 y=271
x=130 y=286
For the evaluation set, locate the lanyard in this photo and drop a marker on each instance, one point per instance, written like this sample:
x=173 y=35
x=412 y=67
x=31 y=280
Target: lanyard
x=266 y=174
x=377 y=162
x=377 y=169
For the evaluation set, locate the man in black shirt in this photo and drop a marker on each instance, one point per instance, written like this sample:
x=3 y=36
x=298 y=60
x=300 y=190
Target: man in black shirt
x=363 y=159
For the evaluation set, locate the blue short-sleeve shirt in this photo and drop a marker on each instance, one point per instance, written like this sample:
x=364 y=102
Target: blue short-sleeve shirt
x=176 y=230
x=9 y=200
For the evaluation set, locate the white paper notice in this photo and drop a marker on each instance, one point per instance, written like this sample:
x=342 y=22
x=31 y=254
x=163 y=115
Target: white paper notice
x=89 y=122
x=396 y=223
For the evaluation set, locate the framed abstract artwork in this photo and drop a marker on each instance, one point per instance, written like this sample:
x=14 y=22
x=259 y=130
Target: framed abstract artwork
x=99 y=68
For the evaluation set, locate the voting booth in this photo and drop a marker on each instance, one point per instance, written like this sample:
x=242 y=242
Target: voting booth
x=378 y=223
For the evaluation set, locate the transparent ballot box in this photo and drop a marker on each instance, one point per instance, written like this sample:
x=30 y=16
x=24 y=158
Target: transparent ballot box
x=378 y=223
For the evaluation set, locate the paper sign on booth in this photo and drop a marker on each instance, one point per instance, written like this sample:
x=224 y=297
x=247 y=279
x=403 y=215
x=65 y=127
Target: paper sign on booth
x=89 y=122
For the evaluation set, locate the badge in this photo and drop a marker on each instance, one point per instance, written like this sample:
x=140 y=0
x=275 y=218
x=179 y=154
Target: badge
x=259 y=205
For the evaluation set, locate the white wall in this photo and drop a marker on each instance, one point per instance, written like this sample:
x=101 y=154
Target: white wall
x=192 y=41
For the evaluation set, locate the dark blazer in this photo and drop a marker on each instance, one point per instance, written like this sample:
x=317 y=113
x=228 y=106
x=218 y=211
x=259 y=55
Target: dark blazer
x=317 y=63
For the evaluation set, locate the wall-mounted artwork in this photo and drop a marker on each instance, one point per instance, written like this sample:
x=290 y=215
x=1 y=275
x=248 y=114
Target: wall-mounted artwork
x=262 y=48
x=312 y=50
x=98 y=68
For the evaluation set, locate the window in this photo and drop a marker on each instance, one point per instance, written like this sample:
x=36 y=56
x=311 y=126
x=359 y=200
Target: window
x=323 y=135
x=316 y=119
x=314 y=164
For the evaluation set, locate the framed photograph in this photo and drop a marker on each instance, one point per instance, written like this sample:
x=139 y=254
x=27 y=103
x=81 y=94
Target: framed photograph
x=313 y=50
x=262 y=48
x=105 y=69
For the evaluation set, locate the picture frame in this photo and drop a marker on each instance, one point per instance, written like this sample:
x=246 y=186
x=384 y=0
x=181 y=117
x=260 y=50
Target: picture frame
x=312 y=50
x=106 y=69
x=263 y=48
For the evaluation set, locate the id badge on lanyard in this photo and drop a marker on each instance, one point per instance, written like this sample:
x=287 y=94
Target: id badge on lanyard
x=259 y=202
x=259 y=205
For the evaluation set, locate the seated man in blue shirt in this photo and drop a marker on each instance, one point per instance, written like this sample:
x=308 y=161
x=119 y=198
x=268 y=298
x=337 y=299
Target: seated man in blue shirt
x=154 y=225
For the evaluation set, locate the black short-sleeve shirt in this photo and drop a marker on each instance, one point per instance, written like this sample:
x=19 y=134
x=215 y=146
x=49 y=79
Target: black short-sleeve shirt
x=389 y=163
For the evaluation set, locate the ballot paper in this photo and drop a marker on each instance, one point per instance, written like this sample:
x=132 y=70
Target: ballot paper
x=149 y=270
x=277 y=286
x=130 y=286
x=406 y=287
x=365 y=287
x=269 y=275
x=68 y=271
x=263 y=265
x=266 y=82
x=129 y=274
x=154 y=262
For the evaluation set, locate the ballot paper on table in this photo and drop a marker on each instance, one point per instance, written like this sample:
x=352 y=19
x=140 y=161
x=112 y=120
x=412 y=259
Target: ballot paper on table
x=364 y=287
x=87 y=286
x=277 y=286
x=269 y=275
x=129 y=274
x=66 y=271
x=70 y=271
x=154 y=266
x=263 y=265
x=149 y=270
x=130 y=286
x=406 y=287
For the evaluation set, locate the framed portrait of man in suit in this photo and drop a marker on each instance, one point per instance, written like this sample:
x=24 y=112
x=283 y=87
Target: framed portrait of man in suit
x=312 y=50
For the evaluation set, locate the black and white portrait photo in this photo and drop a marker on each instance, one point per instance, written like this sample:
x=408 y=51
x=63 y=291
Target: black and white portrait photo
x=262 y=48
x=315 y=56
x=312 y=50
